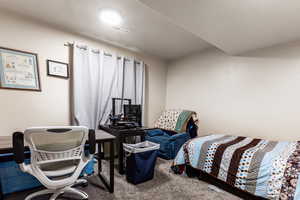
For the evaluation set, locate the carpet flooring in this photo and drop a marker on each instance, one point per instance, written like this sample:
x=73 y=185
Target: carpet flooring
x=164 y=186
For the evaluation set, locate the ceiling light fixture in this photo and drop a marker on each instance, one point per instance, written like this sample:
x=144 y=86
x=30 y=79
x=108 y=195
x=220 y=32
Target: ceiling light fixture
x=111 y=17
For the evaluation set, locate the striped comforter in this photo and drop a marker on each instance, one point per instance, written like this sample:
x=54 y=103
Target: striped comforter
x=264 y=168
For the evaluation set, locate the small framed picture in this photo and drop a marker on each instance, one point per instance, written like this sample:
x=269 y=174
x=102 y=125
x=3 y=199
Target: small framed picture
x=57 y=69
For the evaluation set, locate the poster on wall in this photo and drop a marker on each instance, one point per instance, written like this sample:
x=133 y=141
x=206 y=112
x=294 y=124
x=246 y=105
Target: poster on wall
x=19 y=70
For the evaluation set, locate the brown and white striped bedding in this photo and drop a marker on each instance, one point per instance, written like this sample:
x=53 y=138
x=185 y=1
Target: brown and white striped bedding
x=264 y=168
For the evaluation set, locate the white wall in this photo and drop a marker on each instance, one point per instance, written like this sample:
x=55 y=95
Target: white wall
x=256 y=95
x=21 y=109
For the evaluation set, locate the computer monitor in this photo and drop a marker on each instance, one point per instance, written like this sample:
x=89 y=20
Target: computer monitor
x=133 y=113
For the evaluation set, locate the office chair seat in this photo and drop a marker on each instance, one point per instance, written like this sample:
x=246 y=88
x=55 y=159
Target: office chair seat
x=59 y=168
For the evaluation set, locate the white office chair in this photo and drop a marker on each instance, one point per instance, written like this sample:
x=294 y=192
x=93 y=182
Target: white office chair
x=57 y=157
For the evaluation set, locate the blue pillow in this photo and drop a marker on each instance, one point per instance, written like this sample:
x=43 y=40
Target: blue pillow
x=155 y=132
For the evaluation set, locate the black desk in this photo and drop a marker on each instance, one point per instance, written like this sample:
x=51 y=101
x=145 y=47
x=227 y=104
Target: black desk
x=102 y=137
x=121 y=134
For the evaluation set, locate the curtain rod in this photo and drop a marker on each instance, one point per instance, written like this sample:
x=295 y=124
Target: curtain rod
x=70 y=44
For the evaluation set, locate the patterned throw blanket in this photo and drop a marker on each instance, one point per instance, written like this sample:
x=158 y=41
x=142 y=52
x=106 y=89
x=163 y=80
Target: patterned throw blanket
x=264 y=168
x=174 y=120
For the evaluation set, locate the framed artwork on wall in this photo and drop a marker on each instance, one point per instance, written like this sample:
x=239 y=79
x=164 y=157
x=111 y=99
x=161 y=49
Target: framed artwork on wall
x=19 y=70
x=57 y=69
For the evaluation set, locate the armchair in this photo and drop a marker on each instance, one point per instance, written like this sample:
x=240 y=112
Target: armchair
x=172 y=129
x=169 y=143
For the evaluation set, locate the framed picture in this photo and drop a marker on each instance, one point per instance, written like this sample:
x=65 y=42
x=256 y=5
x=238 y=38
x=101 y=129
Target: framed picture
x=19 y=70
x=57 y=69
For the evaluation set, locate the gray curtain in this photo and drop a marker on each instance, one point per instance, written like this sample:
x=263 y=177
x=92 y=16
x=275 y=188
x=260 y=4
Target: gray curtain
x=97 y=78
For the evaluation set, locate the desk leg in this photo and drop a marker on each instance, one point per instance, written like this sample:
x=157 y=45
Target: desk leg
x=108 y=184
x=121 y=155
x=111 y=166
x=99 y=156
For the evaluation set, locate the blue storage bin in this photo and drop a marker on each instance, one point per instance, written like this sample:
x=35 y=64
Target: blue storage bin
x=12 y=179
x=140 y=161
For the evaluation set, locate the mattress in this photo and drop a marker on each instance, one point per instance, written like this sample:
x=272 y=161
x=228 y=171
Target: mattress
x=268 y=169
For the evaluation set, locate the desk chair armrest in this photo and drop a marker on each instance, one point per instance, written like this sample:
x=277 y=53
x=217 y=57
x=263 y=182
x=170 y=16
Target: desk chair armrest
x=92 y=141
x=18 y=147
x=18 y=150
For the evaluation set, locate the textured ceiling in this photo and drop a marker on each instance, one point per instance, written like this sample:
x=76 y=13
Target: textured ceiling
x=234 y=26
x=143 y=30
x=171 y=29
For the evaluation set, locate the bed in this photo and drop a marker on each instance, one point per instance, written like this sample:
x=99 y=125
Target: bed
x=262 y=168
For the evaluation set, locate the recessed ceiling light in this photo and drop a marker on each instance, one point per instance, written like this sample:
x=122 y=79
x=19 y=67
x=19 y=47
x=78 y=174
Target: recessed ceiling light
x=111 y=17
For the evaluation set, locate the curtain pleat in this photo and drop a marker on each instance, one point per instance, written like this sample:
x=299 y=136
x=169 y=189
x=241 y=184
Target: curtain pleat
x=97 y=78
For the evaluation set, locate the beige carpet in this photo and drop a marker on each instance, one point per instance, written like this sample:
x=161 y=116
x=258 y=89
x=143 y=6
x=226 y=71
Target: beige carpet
x=164 y=186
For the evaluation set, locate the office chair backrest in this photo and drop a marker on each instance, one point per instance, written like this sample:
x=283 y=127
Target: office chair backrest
x=52 y=146
x=49 y=144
